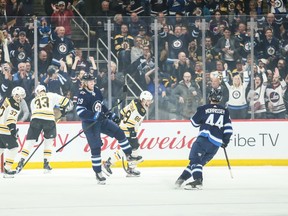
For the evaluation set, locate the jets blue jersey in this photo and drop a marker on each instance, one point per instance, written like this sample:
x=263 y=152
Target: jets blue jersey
x=214 y=122
x=88 y=103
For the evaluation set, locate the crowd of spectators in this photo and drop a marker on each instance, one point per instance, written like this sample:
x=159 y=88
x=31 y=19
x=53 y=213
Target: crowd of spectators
x=180 y=86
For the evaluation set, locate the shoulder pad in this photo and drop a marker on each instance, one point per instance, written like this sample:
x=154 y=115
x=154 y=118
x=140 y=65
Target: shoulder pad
x=14 y=104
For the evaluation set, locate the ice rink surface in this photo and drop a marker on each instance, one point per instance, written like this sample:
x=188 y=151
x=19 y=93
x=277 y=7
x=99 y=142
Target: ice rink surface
x=67 y=192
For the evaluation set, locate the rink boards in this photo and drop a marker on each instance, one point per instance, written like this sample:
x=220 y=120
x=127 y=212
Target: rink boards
x=167 y=143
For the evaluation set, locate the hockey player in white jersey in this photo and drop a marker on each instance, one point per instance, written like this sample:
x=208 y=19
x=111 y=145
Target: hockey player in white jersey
x=131 y=118
x=9 y=112
x=42 y=119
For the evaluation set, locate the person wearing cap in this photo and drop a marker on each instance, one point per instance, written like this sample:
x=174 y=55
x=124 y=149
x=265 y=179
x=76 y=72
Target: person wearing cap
x=62 y=16
x=20 y=50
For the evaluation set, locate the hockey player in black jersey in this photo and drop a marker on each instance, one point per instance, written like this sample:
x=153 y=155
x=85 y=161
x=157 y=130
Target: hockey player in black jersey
x=92 y=111
x=215 y=131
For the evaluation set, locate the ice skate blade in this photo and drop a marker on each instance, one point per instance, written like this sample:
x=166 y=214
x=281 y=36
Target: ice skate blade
x=189 y=187
x=132 y=176
x=101 y=182
x=8 y=176
x=46 y=171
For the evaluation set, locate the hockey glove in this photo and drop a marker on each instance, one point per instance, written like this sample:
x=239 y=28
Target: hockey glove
x=14 y=133
x=224 y=145
x=133 y=133
x=114 y=118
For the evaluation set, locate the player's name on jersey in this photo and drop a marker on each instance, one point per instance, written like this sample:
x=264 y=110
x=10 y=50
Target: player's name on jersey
x=213 y=110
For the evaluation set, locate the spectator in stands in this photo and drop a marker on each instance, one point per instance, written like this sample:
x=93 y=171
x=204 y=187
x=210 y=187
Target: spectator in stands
x=275 y=94
x=256 y=97
x=158 y=6
x=270 y=49
x=44 y=31
x=176 y=6
x=216 y=25
x=187 y=96
x=217 y=84
x=270 y=23
x=210 y=54
x=43 y=63
x=134 y=24
x=140 y=67
x=132 y=7
x=218 y=71
x=56 y=80
x=237 y=103
x=4 y=52
x=117 y=82
x=144 y=36
x=137 y=49
x=20 y=50
x=63 y=47
x=175 y=43
x=123 y=43
x=80 y=63
x=118 y=21
x=6 y=84
x=101 y=20
x=23 y=79
x=29 y=69
x=229 y=48
x=152 y=83
x=180 y=66
x=62 y=17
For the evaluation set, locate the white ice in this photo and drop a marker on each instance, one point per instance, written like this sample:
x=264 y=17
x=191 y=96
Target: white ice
x=253 y=191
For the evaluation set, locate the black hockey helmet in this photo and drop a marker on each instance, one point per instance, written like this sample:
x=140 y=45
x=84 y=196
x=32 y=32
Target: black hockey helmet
x=215 y=95
x=88 y=77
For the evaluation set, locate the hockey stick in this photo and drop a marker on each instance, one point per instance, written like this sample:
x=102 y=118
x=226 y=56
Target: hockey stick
x=91 y=125
x=32 y=154
x=228 y=163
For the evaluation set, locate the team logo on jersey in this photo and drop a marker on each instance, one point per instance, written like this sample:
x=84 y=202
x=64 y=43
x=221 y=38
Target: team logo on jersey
x=271 y=50
x=236 y=94
x=62 y=48
x=177 y=44
x=97 y=106
x=21 y=56
x=274 y=97
x=278 y=4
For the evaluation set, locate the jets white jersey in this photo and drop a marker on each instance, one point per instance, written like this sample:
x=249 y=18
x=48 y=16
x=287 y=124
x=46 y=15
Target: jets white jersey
x=9 y=112
x=42 y=106
x=132 y=116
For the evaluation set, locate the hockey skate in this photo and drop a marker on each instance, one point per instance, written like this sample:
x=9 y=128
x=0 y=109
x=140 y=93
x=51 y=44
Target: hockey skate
x=132 y=172
x=46 y=166
x=100 y=178
x=20 y=165
x=106 y=167
x=9 y=173
x=179 y=183
x=195 y=185
x=134 y=159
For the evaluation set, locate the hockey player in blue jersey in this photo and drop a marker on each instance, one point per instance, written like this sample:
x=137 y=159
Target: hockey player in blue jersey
x=215 y=131
x=91 y=110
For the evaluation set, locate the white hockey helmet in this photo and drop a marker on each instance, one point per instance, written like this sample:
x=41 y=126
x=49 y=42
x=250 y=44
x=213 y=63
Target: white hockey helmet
x=146 y=95
x=146 y=99
x=39 y=89
x=18 y=93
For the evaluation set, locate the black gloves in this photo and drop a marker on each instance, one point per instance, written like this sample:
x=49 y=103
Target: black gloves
x=114 y=118
x=14 y=133
x=224 y=145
